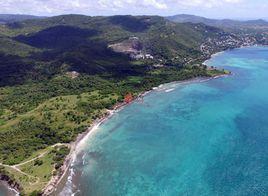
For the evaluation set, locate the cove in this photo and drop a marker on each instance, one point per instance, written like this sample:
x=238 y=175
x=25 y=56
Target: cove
x=198 y=138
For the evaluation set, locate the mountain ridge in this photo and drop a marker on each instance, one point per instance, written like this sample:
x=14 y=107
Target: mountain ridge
x=221 y=23
x=7 y=18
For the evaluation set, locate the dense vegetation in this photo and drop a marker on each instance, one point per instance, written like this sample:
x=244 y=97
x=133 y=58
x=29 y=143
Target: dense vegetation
x=55 y=45
x=43 y=104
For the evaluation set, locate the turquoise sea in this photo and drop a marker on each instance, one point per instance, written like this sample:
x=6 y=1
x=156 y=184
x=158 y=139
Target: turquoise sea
x=199 y=138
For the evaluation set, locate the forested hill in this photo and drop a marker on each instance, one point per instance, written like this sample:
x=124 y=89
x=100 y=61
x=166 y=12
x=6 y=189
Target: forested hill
x=43 y=48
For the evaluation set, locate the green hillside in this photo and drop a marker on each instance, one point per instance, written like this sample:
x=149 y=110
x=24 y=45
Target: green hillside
x=79 y=43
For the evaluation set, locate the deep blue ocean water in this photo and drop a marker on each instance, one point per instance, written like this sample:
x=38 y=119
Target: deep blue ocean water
x=201 y=138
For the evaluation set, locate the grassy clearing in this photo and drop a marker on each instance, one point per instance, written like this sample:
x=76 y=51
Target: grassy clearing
x=41 y=169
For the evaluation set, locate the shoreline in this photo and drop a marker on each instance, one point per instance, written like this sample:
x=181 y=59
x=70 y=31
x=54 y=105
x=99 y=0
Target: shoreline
x=9 y=191
x=82 y=138
x=53 y=186
x=11 y=187
x=75 y=146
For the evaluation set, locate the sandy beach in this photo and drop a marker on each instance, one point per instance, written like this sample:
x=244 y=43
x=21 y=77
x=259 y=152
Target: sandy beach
x=53 y=187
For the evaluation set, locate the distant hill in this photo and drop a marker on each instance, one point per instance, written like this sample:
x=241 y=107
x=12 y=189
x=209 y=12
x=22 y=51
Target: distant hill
x=223 y=23
x=7 y=18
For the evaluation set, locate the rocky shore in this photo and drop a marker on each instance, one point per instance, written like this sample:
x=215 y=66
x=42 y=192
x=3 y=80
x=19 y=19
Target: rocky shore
x=14 y=186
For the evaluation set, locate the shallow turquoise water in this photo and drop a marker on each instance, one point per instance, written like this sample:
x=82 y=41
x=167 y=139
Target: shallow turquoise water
x=203 y=138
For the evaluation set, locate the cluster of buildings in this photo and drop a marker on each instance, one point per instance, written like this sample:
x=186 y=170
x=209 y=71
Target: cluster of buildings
x=140 y=55
x=226 y=41
x=223 y=41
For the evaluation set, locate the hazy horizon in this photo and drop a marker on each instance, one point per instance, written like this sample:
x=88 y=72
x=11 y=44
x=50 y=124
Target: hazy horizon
x=220 y=9
x=239 y=19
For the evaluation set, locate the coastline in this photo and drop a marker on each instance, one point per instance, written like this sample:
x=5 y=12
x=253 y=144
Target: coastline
x=11 y=187
x=221 y=52
x=53 y=185
x=211 y=56
x=92 y=175
x=8 y=190
x=76 y=146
